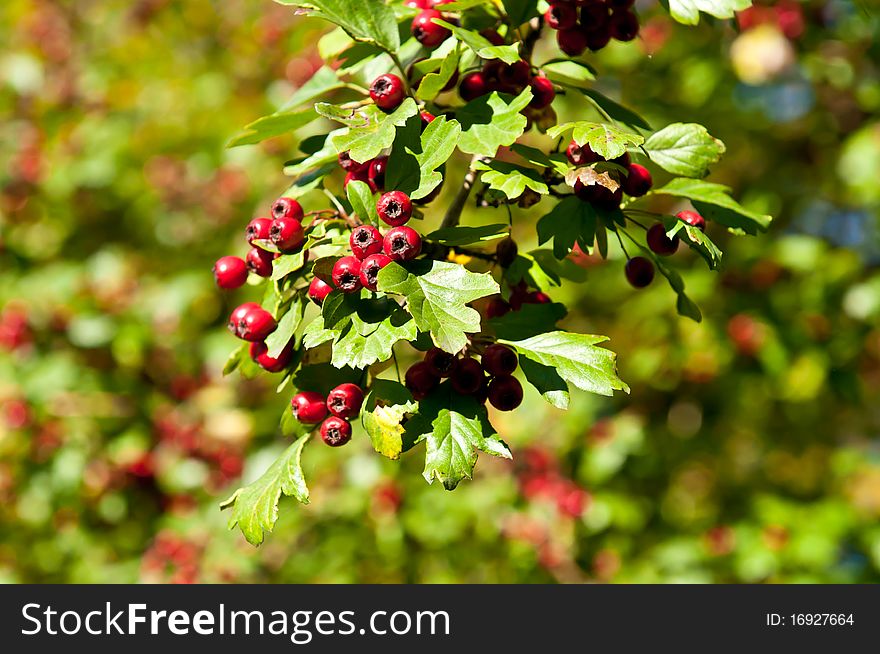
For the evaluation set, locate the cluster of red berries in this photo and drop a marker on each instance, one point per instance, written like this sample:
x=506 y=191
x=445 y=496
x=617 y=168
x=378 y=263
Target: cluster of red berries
x=174 y=556
x=251 y=322
x=342 y=403
x=539 y=477
x=497 y=75
x=639 y=270
x=583 y=24
x=423 y=27
x=489 y=379
x=635 y=183
x=15 y=332
x=519 y=295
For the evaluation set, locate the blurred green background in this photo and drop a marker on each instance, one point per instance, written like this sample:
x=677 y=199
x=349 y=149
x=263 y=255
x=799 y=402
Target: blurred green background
x=748 y=450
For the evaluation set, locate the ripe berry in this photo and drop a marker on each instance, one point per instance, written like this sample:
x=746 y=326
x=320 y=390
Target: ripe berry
x=639 y=272
x=251 y=322
x=561 y=16
x=659 y=242
x=287 y=234
x=482 y=393
x=506 y=252
x=360 y=175
x=620 y=4
x=318 y=290
x=692 y=218
x=420 y=380
x=427 y=32
x=515 y=76
x=581 y=155
x=260 y=262
x=439 y=361
x=499 y=360
x=335 y=431
x=427 y=117
x=350 y=165
x=258 y=230
x=572 y=42
x=308 y=407
x=594 y=17
x=237 y=316
x=230 y=272
x=364 y=241
x=394 y=208
x=387 y=91
x=623 y=160
x=472 y=86
x=537 y=297
x=638 y=181
x=346 y=274
x=402 y=243
x=376 y=173
x=287 y=208
x=370 y=268
x=259 y=352
x=345 y=400
x=466 y=376
x=496 y=308
x=505 y=393
x=542 y=92
x=598 y=39
x=624 y=25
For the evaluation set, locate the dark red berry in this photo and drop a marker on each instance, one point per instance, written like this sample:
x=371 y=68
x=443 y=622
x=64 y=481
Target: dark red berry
x=572 y=42
x=251 y=322
x=542 y=92
x=394 y=208
x=482 y=393
x=360 y=175
x=598 y=39
x=594 y=17
x=345 y=400
x=387 y=91
x=505 y=393
x=472 y=86
x=496 y=308
x=287 y=208
x=426 y=117
x=420 y=380
x=318 y=290
x=237 y=316
x=308 y=407
x=638 y=181
x=537 y=297
x=336 y=432
x=659 y=242
x=364 y=241
x=370 y=268
x=258 y=230
x=440 y=361
x=426 y=31
x=349 y=165
x=402 y=243
x=506 y=252
x=287 y=234
x=492 y=74
x=561 y=16
x=259 y=352
x=259 y=262
x=230 y=272
x=499 y=360
x=515 y=76
x=376 y=173
x=466 y=376
x=347 y=274
x=623 y=160
x=620 y=4
x=692 y=218
x=639 y=272
x=581 y=155
x=492 y=36
x=624 y=25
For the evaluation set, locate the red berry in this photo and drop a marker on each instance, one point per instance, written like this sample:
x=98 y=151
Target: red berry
x=572 y=42
x=496 y=308
x=287 y=234
x=360 y=175
x=659 y=242
x=537 y=297
x=336 y=432
x=387 y=91
x=308 y=407
x=394 y=208
x=561 y=16
x=692 y=218
x=259 y=262
x=499 y=360
x=376 y=173
x=620 y=4
x=598 y=195
x=623 y=160
x=420 y=4
x=350 y=165
x=638 y=181
x=439 y=361
x=345 y=400
x=515 y=76
x=258 y=230
x=318 y=290
x=287 y=208
x=594 y=17
x=624 y=25
x=542 y=92
x=581 y=155
x=346 y=274
x=472 y=86
x=230 y=272
x=420 y=380
x=426 y=31
x=370 y=268
x=639 y=272
x=505 y=393
x=238 y=314
x=251 y=322
x=492 y=36
x=260 y=354
x=427 y=117
x=598 y=39
x=364 y=241
x=402 y=243
x=466 y=376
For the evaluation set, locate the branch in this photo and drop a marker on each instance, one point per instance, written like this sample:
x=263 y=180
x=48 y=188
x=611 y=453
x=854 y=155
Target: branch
x=453 y=214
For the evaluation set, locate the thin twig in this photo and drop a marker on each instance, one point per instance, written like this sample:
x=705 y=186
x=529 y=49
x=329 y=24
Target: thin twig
x=352 y=221
x=453 y=214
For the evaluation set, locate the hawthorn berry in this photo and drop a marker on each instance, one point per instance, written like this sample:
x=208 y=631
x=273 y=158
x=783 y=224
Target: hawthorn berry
x=426 y=31
x=496 y=308
x=515 y=76
x=572 y=42
x=394 y=208
x=387 y=91
x=258 y=230
x=308 y=407
x=346 y=274
x=251 y=322
x=659 y=242
x=370 y=268
x=620 y=4
x=287 y=208
x=506 y=252
x=349 y=165
x=287 y=234
x=466 y=376
x=376 y=173
x=318 y=290
x=238 y=314
x=505 y=393
x=259 y=352
x=598 y=39
x=230 y=272
x=360 y=175
x=364 y=241
x=420 y=380
x=402 y=243
x=336 y=432
x=439 y=361
x=638 y=181
x=624 y=25
x=499 y=360
x=594 y=17
x=537 y=297
x=693 y=219
x=639 y=272
x=561 y=16
x=623 y=160
x=581 y=155
x=345 y=400
x=542 y=92
x=472 y=86
x=259 y=262
x=426 y=117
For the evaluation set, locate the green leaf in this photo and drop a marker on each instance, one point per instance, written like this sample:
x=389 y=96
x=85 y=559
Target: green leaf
x=288 y=263
x=432 y=83
x=575 y=358
x=384 y=414
x=324 y=156
x=556 y=161
x=371 y=22
x=236 y=357
x=489 y=122
x=287 y=326
x=480 y=45
x=371 y=130
x=695 y=238
x=275 y=124
x=684 y=149
x=323 y=81
x=363 y=202
x=530 y=320
x=455 y=427
x=255 y=506
x=466 y=235
x=570 y=221
x=309 y=181
x=688 y=11
x=511 y=179
x=519 y=11
x=412 y=167
x=547 y=382
x=713 y=201
x=614 y=110
x=436 y=294
x=605 y=140
x=568 y=72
